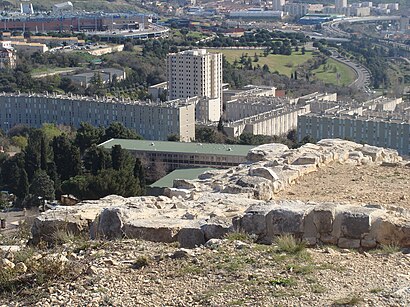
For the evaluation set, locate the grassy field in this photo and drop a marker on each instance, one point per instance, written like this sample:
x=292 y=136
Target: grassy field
x=283 y=64
x=328 y=73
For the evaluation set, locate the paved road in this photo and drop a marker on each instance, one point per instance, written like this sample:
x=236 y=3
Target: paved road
x=362 y=80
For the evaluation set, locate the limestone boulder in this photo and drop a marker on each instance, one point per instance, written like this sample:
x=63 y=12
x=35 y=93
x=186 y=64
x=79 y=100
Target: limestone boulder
x=287 y=217
x=174 y=192
x=184 y=184
x=266 y=152
x=262 y=188
x=391 y=229
x=263 y=172
x=319 y=221
x=340 y=144
x=254 y=220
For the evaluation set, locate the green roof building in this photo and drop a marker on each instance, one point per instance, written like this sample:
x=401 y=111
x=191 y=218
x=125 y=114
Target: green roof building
x=176 y=155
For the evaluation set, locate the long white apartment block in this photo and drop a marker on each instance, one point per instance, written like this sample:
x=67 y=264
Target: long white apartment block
x=383 y=122
x=153 y=121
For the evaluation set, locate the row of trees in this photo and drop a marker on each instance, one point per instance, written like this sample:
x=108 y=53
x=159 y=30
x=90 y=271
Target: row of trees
x=211 y=135
x=55 y=164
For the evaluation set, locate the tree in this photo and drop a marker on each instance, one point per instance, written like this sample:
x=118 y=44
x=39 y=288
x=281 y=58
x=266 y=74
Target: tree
x=50 y=131
x=66 y=157
x=33 y=152
x=42 y=186
x=19 y=141
x=265 y=68
x=303 y=50
x=220 y=125
x=139 y=172
x=43 y=154
x=78 y=186
x=14 y=177
x=117 y=131
x=121 y=159
x=88 y=135
x=96 y=159
x=173 y=138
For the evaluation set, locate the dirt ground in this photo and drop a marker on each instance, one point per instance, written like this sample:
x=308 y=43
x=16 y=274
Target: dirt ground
x=354 y=184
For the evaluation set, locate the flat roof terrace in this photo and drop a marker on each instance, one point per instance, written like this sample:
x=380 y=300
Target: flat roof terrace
x=180 y=147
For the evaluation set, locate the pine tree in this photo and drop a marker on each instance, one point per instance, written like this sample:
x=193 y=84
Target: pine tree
x=43 y=154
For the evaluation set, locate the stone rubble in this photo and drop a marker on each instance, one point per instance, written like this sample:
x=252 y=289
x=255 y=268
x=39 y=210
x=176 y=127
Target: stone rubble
x=243 y=199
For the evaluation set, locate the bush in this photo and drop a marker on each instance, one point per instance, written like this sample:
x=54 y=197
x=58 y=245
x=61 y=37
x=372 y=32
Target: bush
x=288 y=244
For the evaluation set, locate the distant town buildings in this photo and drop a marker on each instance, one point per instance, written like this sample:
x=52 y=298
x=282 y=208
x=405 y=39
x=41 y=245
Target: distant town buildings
x=106 y=75
x=154 y=121
x=26 y=7
x=196 y=73
x=64 y=7
x=8 y=55
x=340 y=4
x=296 y=9
x=277 y=5
x=256 y=13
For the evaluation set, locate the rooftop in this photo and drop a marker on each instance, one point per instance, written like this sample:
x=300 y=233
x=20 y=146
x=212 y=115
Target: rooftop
x=123 y=101
x=186 y=173
x=180 y=147
x=392 y=118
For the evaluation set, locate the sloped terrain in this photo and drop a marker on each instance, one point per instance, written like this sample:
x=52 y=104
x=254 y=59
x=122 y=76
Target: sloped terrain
x=228 y=272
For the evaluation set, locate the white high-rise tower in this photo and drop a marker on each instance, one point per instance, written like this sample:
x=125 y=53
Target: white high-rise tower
x=196 y=73
x=277 y=5
x=340 y=4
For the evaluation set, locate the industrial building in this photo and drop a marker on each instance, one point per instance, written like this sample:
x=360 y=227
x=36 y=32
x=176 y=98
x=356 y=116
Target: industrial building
x=256 y=13
x=154 y=121
x=73 y=22
x=176 y=155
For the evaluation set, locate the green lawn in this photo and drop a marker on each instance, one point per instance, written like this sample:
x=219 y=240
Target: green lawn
x=283 y=64
x=328 y=73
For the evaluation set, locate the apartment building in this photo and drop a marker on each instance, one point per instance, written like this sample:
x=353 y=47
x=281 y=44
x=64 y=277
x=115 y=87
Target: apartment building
x=296 y=9
x=196 y=73
x=274 y=122
x=383 y=122
x=377 y=131
x=340 y=4
x=154 y=121
x=8 y=55
x=277 y=5
x=29 y=48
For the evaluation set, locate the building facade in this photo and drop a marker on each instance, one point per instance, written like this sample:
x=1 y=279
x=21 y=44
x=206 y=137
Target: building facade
x=277 y=5
x=8 y=55
x=176 y=155
x=340 y=3
x=296 y=9
x=382 y=132
x=154 y=121
x=196 y=73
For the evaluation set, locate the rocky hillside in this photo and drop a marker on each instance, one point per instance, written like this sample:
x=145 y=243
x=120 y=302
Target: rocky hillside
x=325 y=224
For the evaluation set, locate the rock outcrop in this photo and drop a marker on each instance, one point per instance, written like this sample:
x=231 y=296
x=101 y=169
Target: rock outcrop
x=242 y=199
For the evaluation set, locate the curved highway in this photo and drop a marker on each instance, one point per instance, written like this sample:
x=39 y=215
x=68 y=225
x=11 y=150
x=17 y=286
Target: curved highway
x=332 y=28
x=362 y=80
